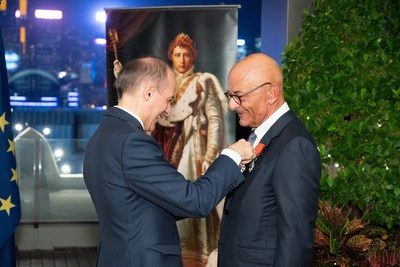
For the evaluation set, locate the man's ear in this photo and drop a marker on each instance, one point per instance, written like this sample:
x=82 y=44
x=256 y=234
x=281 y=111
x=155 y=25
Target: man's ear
x=148 y=92
x=273 y=93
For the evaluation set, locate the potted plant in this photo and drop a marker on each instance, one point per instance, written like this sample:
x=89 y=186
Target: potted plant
x=342 y=238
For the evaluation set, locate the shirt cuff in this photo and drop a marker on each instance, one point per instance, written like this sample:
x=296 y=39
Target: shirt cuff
x=232 y=154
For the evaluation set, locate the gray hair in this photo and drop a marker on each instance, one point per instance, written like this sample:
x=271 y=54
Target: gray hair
x=141 y=71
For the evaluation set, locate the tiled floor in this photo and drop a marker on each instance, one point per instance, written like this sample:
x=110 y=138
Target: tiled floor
x=70 y=257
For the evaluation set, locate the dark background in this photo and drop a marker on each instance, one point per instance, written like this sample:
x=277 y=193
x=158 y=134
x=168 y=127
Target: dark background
x=81 y=12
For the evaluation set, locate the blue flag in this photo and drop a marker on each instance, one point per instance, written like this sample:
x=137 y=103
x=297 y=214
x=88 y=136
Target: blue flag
x=10 y=209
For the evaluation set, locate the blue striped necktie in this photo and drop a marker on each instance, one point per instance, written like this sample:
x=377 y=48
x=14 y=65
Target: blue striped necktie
x=252 y=137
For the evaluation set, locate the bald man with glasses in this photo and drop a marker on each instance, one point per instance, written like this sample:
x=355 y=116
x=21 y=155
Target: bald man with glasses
x=269 y=219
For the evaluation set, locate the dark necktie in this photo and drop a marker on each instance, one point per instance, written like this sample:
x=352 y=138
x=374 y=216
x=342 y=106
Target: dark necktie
x=252 y=137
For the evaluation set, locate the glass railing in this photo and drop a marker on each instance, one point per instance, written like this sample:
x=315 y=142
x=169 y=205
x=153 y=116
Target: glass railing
x=51 y=183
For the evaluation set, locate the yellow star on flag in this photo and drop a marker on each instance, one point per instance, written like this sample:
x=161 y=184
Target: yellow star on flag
x=15 y=176
x=3 y=121
x=12 y=147
x=6 y=205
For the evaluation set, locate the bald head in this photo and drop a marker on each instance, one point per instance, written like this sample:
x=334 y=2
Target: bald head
x=256 y=80
x=258 y=66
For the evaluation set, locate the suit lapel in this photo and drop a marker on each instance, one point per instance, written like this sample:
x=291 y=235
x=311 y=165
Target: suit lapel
x=123 y=115
x=274 y=131
x=277 y=127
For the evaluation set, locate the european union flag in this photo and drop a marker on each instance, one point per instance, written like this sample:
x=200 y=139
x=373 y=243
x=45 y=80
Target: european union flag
x=10 y=209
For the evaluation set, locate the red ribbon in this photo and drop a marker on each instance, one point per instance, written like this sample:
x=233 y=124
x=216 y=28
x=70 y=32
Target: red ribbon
x=259 y=148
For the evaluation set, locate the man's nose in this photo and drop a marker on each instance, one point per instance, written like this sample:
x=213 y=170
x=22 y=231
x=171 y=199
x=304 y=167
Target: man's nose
x=167 y=111
x=232 y=105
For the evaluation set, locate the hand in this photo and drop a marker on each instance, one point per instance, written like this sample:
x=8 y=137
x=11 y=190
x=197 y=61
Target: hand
x=117 y=67
x=245 y=150
x=204 y=167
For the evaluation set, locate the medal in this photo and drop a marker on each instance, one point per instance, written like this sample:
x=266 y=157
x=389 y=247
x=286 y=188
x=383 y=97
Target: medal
x=259 y=148
x=242 y=167
x=251 y=167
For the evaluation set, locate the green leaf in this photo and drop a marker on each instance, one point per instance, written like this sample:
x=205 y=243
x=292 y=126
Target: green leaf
x=343 y=73
x=330 y=181
x=397 y=191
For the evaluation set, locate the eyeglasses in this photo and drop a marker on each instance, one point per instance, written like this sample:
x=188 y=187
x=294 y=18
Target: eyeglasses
x=238 y=98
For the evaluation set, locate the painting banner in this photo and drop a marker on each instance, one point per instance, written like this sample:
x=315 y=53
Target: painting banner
x=200 y=44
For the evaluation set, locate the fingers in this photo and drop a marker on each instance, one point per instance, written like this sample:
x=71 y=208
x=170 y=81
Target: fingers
x=245 y=150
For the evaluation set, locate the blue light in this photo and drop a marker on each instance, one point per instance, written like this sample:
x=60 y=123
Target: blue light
x=12 y=60
x=17 y=98
x=48 y=99
x=100 y=41
x=33 y=104
x=48 y=14
x=241 y=42
x=101 y=16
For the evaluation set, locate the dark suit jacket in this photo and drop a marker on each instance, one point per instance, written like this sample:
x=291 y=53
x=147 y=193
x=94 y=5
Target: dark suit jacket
x=138 y=195
x=268 y=220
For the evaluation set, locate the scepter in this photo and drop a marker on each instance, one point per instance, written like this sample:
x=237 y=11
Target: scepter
x=113 y=34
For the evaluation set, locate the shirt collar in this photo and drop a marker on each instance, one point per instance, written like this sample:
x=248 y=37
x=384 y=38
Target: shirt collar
x=261 y=130
x=132 y=114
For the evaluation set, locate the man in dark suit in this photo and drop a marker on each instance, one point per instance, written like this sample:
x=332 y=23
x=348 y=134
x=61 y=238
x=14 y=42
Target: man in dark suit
x=269 y=219
x=137 y=194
